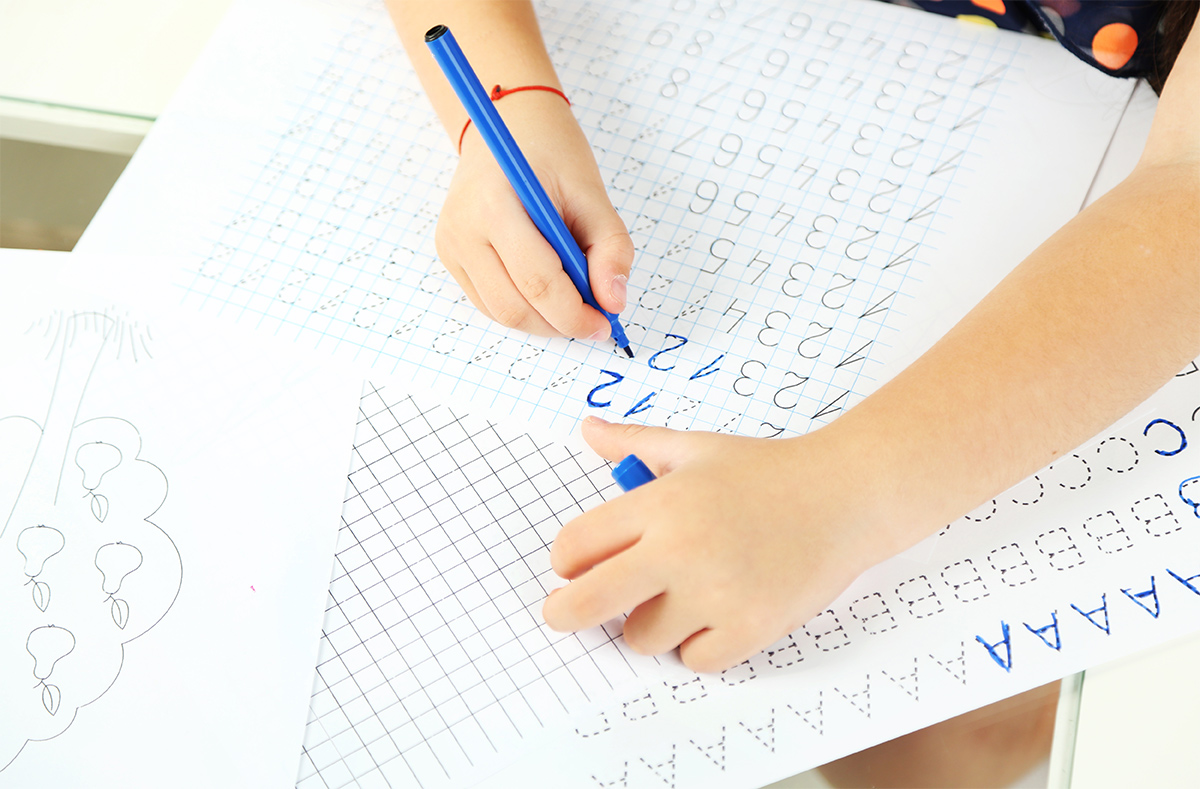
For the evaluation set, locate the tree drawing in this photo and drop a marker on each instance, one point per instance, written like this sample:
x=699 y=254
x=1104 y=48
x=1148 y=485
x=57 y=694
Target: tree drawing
x=84 y=570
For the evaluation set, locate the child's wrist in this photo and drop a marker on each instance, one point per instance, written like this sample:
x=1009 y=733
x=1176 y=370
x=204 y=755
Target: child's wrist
x=879 y=511
x=498 y=92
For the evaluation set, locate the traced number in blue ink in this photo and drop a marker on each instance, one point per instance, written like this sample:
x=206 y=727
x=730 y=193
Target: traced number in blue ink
x=1186 y=581
x=1194 y=503
x=1005 y=662
x=1182 y=437
x=642 y=405
x=1041 y=632
x=591 y=398
x=707 y=369
x=1091 y=615
x=1139 y=597
x=682 y=342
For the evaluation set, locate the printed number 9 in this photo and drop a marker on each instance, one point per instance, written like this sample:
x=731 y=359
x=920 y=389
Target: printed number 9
x=731 y=146
x=752 y=104
x=706 y=195
x=776 y=62
x=798 y=24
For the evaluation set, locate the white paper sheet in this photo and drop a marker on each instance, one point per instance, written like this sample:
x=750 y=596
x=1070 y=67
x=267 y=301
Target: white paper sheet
x=168 y=510
x=1095 y=557
x=789 y=177
x=435 y=665
x=436 y=670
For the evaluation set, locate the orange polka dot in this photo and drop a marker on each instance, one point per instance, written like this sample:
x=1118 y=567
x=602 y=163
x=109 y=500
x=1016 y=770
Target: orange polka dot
x=995 y=6
x=1113 y=45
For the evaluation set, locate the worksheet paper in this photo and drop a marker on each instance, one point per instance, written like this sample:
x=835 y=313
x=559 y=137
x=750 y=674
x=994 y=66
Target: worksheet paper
x=789 y=175
x=785 y=254
x=436 y=669
x=168 y=508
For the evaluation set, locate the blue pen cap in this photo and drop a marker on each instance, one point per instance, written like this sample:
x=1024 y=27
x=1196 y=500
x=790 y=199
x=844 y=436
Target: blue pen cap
x=631 y=473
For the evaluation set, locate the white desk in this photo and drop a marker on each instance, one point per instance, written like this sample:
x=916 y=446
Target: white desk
x=1137 y=721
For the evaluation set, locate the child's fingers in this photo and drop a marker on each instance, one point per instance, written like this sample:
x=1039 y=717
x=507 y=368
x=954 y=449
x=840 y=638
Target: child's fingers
x=660 y=625
x=711 y=651
x=593 y=537
x=468 y=287
x=602 y=593
x=500 y=297
x=660 y=448
x=480 y=272
x=537 y=273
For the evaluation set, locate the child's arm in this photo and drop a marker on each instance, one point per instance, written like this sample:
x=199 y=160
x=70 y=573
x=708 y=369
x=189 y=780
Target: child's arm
x=484 y=237
x=742 y=540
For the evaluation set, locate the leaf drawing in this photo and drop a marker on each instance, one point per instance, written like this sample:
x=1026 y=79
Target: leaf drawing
x=99 y=506
x=51 y=696
x=120 y=613
x=41 y=595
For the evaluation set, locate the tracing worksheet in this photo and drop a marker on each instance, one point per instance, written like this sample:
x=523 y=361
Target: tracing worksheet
x=789 y=177
x=798 y=182
x=168 y=504
x=436 y=668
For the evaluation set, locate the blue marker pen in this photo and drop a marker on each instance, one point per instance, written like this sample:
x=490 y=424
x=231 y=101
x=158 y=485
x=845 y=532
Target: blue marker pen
x=631 y=473
x=516 y=168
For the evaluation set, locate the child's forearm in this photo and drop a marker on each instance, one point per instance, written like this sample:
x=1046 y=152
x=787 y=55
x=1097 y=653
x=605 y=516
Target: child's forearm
x=1099 y=317
x=502 y=40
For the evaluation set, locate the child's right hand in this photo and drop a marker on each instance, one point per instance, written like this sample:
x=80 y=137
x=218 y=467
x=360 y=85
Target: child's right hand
x=489 y=244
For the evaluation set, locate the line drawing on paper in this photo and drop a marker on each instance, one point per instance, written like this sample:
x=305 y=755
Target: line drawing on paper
x=83 y=569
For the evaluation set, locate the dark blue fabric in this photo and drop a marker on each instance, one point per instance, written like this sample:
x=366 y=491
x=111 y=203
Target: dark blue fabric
x=1074 y=23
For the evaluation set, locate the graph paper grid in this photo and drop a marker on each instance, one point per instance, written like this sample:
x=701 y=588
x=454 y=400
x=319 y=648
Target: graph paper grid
x=784 y=174
x=433 y=650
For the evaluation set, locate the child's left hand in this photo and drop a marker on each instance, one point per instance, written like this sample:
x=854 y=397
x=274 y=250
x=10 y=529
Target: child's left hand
x=739 y=541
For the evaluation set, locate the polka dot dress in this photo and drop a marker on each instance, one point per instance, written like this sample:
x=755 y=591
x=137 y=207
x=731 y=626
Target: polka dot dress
x=1115 y=36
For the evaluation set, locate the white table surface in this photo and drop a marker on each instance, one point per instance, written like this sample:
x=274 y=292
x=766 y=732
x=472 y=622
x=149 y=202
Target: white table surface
x=1137 y=721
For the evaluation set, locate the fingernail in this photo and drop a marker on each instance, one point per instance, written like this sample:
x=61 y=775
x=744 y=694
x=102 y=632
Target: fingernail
x=601 y=334
x=595 y=420
x=619 y=288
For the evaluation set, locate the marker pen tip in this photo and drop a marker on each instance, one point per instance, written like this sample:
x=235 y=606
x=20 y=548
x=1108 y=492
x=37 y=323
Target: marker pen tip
x=628 y=352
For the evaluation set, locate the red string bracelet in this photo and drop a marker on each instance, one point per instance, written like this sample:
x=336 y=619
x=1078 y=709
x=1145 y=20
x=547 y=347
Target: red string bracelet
x=498 y=94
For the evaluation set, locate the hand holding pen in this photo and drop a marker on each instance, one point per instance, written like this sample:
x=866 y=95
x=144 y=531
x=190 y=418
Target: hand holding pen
x=511 y=266
x=737 y=543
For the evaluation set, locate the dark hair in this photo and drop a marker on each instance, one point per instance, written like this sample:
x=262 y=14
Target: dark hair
x=1174 y=24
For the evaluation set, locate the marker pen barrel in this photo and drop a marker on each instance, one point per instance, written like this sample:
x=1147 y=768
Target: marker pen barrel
x=545 y=216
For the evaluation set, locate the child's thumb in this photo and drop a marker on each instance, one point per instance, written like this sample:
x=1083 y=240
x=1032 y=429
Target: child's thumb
x=660 y=448
x=609 y=253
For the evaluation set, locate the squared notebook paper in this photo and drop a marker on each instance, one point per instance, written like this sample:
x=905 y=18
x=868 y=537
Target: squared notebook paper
x=168 y=505
x=816 y=193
